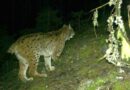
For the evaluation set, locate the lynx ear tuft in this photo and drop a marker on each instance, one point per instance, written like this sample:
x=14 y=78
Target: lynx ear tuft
x=70 y=26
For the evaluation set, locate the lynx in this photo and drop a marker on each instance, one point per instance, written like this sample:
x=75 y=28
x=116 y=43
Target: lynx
x=29 y=48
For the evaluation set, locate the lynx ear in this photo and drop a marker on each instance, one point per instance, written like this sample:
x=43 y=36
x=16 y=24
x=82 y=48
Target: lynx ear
x=128 y=6
x=64 y=25
x=70 y=26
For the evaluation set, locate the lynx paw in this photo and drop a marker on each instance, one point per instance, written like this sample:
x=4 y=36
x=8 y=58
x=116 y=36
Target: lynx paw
x=52 y=68
x=27 y=79
x=30 y=79
x=42 y=75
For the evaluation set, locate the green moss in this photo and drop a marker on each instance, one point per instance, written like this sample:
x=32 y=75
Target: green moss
x=101 y=81
x=37 y=87
x=121 y=85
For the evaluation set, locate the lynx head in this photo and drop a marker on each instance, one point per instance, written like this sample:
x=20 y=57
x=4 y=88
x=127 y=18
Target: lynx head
x=68 y=32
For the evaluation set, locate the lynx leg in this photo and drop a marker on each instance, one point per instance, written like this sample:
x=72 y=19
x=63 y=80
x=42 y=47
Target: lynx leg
x=48 y=63
x=22 y=72
x=23 y=67
x=33 y=70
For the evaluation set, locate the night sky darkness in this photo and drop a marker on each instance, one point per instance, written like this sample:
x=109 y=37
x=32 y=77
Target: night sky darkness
x=21 y=14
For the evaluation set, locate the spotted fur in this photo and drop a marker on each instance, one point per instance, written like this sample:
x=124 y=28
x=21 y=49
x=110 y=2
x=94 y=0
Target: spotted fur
x=29 y=48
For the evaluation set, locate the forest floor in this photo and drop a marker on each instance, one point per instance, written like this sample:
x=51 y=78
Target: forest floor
x=78 y=68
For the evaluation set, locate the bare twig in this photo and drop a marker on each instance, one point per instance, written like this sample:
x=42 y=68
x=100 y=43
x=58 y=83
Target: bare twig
x=99 y=7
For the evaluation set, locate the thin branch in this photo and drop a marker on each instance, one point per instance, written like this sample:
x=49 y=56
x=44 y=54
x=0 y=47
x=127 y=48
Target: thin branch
x=99 y=7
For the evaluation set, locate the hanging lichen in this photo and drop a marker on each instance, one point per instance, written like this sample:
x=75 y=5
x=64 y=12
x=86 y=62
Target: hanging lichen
x=95 y=21
x=125 y=44
x=128 y=10
x=112 y=2
x=95 y=17
x=112 y=53
x=118 y=43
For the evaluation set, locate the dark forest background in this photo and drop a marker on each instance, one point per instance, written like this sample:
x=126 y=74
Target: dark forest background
x=20 y=14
